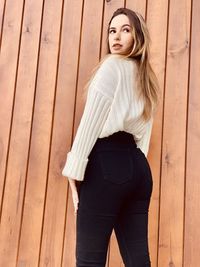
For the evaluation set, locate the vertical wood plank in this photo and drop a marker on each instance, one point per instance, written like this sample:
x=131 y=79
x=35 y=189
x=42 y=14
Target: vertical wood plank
x=54 y=231
x=8 y=68
x=139 y=6
x=20 y=134
x=33 y=209
x=88 y=57
x=174 y=136
x=89 y=50
x=192 y=201
x=2 y=12
x=156 y=19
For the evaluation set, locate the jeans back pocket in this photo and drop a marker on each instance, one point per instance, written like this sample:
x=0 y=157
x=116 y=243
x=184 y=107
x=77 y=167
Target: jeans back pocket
x=116 y=165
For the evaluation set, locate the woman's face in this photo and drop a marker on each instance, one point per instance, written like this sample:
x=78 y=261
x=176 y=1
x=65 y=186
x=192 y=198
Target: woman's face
x=120 y=35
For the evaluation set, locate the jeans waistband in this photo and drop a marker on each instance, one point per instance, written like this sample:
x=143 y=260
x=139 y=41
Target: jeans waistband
x=117 y=139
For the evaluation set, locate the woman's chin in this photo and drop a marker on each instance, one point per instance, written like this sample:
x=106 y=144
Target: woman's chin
x=117 y=52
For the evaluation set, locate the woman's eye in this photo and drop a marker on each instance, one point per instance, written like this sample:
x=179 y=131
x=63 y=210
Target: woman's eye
x=111 y=31
x=126 y=29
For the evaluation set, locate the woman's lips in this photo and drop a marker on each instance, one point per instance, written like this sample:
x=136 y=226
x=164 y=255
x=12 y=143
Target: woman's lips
x=117 y=46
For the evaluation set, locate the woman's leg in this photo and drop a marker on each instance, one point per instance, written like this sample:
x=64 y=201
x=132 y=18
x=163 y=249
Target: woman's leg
x=96 y=216
x=93 y=234
x=131 y=228
x=131 y=231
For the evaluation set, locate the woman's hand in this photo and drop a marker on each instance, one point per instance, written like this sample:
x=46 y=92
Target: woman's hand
x=74 y=191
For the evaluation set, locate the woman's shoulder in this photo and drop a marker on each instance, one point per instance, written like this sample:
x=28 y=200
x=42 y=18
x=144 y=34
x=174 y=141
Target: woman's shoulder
x=114 y=63
x=117 y=59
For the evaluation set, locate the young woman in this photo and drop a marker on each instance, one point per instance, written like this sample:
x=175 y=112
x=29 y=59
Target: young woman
x=109 y=151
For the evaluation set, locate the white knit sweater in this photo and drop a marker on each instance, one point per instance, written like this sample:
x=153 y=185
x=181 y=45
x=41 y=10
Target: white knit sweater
x=111 y=106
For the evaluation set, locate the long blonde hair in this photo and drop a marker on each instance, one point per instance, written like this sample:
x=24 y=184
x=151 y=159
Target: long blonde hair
x=147 y=83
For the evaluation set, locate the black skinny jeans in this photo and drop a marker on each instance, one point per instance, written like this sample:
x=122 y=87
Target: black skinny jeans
x=115 y=194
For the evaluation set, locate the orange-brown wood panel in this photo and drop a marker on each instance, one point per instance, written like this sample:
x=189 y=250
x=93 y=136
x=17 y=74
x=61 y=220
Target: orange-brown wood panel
x=17 y=161
x=174 y=136
x=2 y=12
x=8 y=67
x=40 y=144
x=156 y=18
x=88 y=56
x=58 y=206
x=192 y=183
x=72 y=23
x=138 y=6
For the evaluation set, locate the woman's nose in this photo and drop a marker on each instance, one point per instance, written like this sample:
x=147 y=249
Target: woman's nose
x=117 y=36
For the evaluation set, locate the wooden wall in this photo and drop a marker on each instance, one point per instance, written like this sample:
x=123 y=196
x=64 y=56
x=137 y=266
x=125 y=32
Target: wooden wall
x=48 y=49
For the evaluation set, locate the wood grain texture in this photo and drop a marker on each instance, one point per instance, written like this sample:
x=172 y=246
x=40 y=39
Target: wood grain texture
x=10 y=43
x=21 y=123
x=192 y=182
x=156 y=19
x=40 y=143
x=174 y=136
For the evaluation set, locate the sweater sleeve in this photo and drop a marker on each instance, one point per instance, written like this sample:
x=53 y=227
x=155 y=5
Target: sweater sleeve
x=95 y=113
x=144 y=142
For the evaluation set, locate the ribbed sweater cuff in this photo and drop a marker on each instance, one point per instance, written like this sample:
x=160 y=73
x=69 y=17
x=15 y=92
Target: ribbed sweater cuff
x=74 y=167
